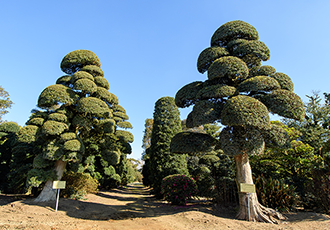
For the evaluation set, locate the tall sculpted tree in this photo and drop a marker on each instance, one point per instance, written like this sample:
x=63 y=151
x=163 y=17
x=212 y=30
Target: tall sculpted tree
x=161 y=162
x=239 y=93
x=79 y=121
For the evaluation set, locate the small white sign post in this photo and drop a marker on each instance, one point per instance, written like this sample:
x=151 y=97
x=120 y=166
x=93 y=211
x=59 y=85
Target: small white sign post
x=247 y=188
x=58 y=185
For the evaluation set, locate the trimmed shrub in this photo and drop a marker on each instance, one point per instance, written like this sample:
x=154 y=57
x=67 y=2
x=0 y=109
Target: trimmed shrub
x=177 y=188
x=78 y=185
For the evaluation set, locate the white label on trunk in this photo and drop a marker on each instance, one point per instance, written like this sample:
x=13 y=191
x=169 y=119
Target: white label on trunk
x=59 y=184
x=247 y=188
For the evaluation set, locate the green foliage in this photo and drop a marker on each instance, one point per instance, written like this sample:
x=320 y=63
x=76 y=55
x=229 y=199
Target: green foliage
x=166 y=124
x=314 y=129
x=56 y=94
x=94 y=70
x=265 y=70
x=112 y=157
x=93 y=106
x=81 y=75
x=5 y=102
x=27 y=134
x=238 y=140
x=294 y=165
x=54 y=127
x=284 y=81
x=178 y=188
x=216 y=91
x=285 y=103
x=105 y=95
x=233 y=30
x=186 y=96
x=147 y=137
x=245 y=111
x=9 y=127
x=37 y=176
x=85 y=85
x=64 y=80
x=259 y=83
x=229 y=67
x=125 y=136
x=37 y=121
x=124 y=125
x=204 y=112
x=207 y=56
x=72 y=145
x=192 y=143
x=8 y=132
x=274 y=193
x=252 y=52
x=78 y=185
x=77 y=59
x=102 y=82
x=321 y=186
x=76 y=126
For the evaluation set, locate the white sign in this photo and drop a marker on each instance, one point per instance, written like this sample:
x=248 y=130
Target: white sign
x=59 y=184
x=247 y=188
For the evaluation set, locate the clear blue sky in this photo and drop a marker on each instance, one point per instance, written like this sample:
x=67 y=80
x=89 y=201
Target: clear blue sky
x=149 y=49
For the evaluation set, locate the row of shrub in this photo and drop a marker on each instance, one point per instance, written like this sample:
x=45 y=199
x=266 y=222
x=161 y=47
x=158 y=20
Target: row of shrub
x=273 y=191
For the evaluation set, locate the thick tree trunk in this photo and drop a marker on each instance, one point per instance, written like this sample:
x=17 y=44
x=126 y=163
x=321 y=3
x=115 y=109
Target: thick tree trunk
x=249 y=207
x=48 y=193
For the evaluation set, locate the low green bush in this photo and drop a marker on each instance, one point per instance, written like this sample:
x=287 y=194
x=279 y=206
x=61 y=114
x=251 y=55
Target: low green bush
x=177 y=188
x=321 y=189
x=276 y=194
x=78 y=185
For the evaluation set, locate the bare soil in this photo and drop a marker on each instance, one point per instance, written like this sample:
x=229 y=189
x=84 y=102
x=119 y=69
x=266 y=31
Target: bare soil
x=134 y=208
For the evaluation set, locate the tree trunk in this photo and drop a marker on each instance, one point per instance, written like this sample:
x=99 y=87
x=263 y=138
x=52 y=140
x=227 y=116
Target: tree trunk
x=249 y=207
x=48 y=193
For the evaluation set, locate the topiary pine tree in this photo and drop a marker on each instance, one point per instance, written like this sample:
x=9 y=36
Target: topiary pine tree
x=78 y=122
x=161 y=162
x=239 y=93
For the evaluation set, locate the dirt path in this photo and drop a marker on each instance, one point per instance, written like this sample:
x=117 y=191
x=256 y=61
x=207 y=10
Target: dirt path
x=133 y=208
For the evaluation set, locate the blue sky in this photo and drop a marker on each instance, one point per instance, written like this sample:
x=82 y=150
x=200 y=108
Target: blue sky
x=149 y=49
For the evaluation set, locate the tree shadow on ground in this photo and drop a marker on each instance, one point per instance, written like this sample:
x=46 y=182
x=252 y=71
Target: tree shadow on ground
x=132 y=201
x=135 y=201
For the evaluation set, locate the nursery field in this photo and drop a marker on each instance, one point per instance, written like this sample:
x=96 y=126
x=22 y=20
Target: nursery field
x=133 y=207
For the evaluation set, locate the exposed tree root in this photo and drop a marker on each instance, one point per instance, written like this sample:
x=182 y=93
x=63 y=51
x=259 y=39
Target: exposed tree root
x=257 y=212
x=250 y=208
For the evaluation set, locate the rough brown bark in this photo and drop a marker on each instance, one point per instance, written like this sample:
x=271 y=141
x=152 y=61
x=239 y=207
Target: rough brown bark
x=254 y=211
x=48 y=193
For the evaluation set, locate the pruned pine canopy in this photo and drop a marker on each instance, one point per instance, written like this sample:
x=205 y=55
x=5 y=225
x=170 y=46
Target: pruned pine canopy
x=239 y=92
x=79 y=102
x=77 y=59
x=192 y=143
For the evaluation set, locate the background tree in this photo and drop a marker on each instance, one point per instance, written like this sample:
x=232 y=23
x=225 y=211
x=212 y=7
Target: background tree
x=7 y=138
x=146 y=141
x=161 y=162
x=315 y=128
x=293 y=166
x=239 y=93
x=79 y=122
x=5 y=102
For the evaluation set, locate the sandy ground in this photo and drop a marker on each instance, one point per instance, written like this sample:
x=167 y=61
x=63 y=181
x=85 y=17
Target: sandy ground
x=134 y=208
